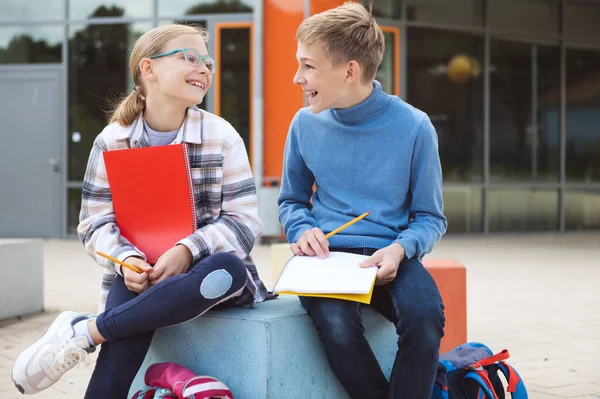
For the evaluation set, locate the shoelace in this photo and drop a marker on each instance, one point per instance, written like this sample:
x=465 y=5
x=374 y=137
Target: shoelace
x=69 y=356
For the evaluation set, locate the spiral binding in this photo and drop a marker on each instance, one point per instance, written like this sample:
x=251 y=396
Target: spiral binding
x=190 y=184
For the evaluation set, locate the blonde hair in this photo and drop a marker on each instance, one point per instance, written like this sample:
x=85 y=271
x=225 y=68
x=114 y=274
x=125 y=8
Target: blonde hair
x=150 y=43
x=348 y=32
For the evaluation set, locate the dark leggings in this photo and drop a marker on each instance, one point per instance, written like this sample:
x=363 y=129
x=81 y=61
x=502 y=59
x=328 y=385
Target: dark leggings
x=130 y=320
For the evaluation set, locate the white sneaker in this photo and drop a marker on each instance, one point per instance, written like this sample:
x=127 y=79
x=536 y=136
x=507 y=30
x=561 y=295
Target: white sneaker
x=53 y=354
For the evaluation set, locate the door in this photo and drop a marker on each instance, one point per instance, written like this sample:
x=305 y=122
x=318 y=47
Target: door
x=232 y=85
x=30 y=151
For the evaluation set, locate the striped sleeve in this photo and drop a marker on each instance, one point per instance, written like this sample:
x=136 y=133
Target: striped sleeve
x=97 y=229
x=238 y=224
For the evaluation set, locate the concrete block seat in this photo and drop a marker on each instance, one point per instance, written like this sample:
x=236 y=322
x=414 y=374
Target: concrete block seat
x=22 y=282
x=271 y=351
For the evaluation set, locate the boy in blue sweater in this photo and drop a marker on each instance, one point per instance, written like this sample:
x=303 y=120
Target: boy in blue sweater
x=366 y=151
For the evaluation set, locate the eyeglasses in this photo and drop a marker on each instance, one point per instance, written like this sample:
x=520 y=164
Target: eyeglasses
x=192 y=57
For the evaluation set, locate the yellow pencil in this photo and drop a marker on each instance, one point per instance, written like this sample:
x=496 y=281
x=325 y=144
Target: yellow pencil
x=350 y=223
x=130 y=267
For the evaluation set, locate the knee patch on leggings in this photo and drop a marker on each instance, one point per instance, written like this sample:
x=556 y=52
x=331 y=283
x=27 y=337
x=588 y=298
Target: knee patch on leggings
x=216 y=284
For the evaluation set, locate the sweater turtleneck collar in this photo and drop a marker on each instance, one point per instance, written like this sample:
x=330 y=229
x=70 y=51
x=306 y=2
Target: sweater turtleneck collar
x=365 y=111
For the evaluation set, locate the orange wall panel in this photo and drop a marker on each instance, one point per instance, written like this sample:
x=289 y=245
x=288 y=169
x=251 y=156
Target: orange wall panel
x=317 y=6
x=282 y=99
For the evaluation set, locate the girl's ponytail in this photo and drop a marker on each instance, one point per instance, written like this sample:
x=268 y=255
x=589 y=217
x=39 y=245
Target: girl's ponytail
x=129 y=108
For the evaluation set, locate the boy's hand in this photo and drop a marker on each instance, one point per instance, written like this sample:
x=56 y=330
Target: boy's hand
x=175 y=261
x=312 y=242
x=388 y=260
x=136 y=282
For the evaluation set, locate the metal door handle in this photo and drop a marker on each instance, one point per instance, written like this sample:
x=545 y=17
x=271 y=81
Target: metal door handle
x=55 y=164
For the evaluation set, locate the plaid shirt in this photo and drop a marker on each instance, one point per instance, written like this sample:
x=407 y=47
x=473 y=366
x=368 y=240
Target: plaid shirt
x=224 y=192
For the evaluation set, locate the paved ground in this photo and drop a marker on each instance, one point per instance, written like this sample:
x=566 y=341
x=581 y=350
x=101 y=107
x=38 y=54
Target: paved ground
x=535 y=295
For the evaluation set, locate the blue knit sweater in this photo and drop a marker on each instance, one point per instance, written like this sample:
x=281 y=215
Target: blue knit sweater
x=379 y=156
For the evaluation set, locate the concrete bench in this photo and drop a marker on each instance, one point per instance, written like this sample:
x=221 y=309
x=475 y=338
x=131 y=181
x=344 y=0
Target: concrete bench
x=22 y=282
x=271 y=351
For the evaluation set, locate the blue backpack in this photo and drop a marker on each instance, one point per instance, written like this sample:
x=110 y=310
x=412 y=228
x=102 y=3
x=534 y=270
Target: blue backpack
x=472 y=371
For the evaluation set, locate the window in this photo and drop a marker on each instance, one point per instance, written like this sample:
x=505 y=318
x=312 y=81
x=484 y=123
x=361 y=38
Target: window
x=114 y=8
x=98 y=77
x=524 y=109
x=445 y=81
x=582 y=209
x=232 y=80
x=31 y=10
x=171 y=8
x=539 y=17
x=31 y=44
x=455 y=12
x=581 y=23
x=522 y=209
x=583 y=115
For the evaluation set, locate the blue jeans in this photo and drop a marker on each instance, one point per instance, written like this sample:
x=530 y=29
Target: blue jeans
x=130 y=319
x=413 y=303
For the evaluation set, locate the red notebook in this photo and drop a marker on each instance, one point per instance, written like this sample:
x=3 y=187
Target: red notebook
x=152 y=196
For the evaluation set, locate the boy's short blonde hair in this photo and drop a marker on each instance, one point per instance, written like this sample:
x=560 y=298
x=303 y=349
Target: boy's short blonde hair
x=348 y=32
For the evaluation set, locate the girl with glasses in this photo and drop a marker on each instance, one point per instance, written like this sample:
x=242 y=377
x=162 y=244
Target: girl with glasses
x=171 y=71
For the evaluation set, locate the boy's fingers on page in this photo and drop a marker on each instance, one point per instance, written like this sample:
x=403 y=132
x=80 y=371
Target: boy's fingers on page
x=371 y=260
x=295 y=248
x=315 y=242
x=323 y=242
x=307 y=249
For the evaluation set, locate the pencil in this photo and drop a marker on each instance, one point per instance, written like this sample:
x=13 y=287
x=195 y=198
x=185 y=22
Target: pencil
x=130 y=267
x=350 y=223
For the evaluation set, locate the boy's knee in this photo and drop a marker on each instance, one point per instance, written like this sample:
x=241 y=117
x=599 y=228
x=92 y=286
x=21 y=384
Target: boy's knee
x=424 y=326
x=337 y=322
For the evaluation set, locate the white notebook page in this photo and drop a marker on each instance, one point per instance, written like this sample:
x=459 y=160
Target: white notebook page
x=339 y=273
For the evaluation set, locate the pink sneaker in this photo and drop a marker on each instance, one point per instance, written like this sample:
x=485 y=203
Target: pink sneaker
x=52 y=355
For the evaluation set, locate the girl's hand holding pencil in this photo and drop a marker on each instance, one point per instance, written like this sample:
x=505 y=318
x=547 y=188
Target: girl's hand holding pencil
x=135 y=272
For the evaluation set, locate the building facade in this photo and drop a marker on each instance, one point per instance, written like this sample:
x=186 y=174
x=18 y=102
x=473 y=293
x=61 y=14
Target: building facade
x=512 y=87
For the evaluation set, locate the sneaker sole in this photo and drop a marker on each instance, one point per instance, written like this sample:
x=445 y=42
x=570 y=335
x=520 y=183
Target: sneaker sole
x=27 y=353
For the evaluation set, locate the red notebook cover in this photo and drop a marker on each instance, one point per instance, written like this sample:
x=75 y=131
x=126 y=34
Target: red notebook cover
x=152 y=196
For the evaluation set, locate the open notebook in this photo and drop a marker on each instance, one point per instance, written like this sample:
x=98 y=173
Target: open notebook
x=337 y=276
x=152 y=196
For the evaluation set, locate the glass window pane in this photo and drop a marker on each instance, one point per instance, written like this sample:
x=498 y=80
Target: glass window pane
x=31 y=10
x=581 y=23
x=173 y=8
x=98 y=76
x=114 y=8
x=526 y=209
x=73 y=208
x=385 y=8
x=583 y=115
x=386 y=72
x=525 y=105
x=31 y=44
x=455 y=12
x=582 y=209
x=463 y=209
x=445 y=81
x=234 y=76
x=539 y=17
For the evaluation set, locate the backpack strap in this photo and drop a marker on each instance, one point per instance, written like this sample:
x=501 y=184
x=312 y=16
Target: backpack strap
x=480 y=376
x=493 y=359
x=515 y=384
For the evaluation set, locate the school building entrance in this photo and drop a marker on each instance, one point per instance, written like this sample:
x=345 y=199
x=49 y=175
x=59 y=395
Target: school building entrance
x=512 y=87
